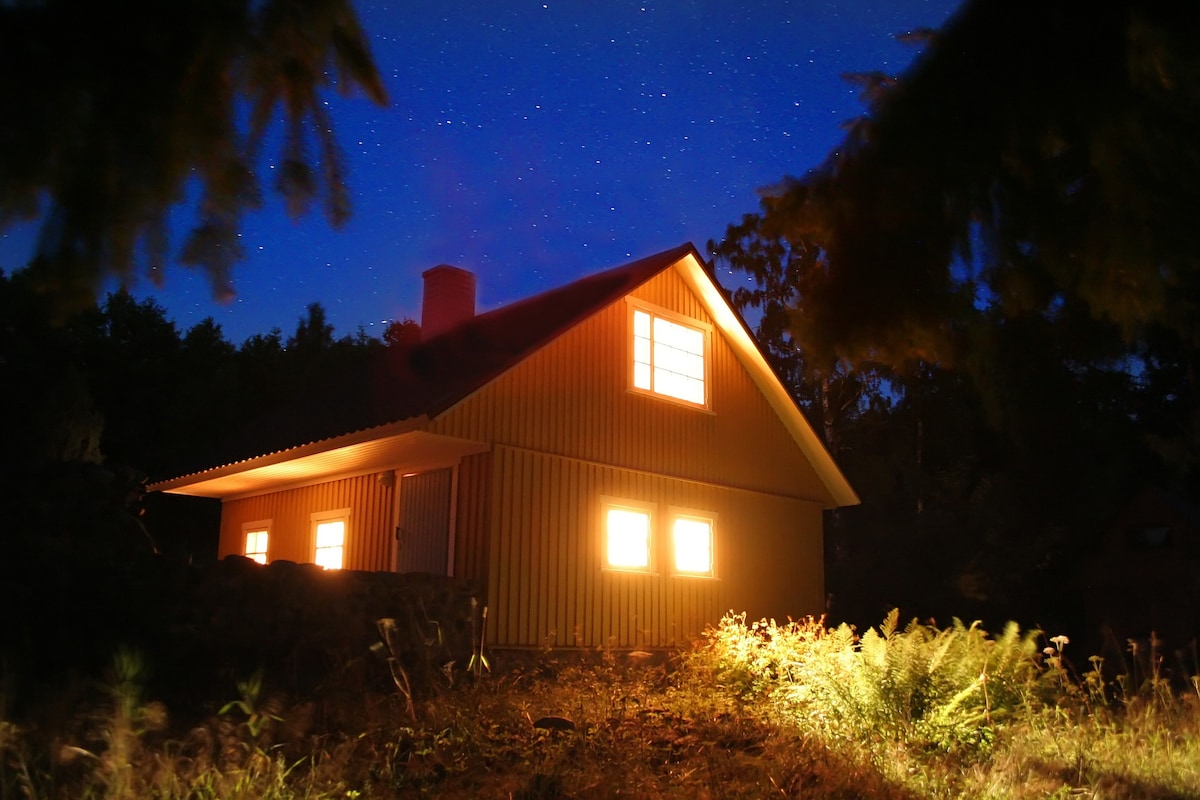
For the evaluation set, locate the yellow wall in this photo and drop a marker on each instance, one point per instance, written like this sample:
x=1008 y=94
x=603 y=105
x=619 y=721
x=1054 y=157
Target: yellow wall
x=371 y=529
x=572 y=398
x=567 y=431
x=547 y=583
x=473 y=517
x=368 y=536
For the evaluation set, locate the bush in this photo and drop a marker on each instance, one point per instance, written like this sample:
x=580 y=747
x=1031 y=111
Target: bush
x=922 y=685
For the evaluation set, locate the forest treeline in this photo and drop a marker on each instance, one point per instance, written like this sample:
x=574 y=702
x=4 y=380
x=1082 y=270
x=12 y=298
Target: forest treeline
x=974 y=504
x=117 y=395
x=986 y=484
x=985 y=299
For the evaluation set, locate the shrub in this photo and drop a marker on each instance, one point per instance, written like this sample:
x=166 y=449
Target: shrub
x=918 y=685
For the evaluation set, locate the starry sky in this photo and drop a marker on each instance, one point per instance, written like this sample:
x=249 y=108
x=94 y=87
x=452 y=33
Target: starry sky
x=535 y=142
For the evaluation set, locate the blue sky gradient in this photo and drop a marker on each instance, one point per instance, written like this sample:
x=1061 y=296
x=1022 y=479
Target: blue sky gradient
x=533 y=143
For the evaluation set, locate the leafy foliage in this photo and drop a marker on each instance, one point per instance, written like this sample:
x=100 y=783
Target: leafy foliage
x=116 y=394
x=1050 y=161
x=919 y=685
x=908 y=723
x=983 y=300
x=116 y=114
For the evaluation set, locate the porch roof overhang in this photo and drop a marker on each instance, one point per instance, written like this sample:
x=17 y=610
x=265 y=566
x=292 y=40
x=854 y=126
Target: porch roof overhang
x=401 y=445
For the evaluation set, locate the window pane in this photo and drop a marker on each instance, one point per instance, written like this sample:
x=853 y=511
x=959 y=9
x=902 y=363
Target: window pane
x=331 y=534
x=256 y=546
x=641 y=376
x=331 y=538
x=693 y=545
x=641 y=350
x=628 y=534
x=667 y=383
x=641 y=324
x=668 y=358
x=329 y=557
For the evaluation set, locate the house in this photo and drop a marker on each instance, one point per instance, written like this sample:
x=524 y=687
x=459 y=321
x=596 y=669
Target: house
x=613 y=460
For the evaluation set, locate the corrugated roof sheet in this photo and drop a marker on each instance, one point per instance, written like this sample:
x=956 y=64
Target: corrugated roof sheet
x=428 y=378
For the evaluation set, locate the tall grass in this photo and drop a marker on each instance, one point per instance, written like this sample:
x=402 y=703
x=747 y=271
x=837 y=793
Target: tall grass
x=956 y=712
x=756 y=709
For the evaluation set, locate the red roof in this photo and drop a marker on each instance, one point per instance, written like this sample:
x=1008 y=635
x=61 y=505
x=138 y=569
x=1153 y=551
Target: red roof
x=428 y=378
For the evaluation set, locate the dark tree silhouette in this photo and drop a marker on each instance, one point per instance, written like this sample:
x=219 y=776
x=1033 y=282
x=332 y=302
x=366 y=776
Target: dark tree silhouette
x=115 y=113
x=114 y=396
x=313 y=334
x=402 y=334
x=1047 y=151
x=1004 y=238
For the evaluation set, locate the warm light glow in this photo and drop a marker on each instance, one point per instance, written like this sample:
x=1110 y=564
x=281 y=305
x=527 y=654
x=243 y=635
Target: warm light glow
x=256 y=546
x=331 y=540
x=641 y=350
x=668 y=358
x=693 y=545
x=628 y=534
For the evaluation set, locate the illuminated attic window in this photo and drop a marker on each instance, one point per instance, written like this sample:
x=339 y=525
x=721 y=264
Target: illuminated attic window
x=669 y=357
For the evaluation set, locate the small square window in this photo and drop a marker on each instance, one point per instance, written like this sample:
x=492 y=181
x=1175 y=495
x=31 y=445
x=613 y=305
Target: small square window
x=256 y=546
x=627 y=537
x=692 y=544
x=255 y=537
x=329 y=533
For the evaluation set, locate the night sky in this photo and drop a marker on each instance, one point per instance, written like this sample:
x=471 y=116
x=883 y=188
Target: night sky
x=535 y=142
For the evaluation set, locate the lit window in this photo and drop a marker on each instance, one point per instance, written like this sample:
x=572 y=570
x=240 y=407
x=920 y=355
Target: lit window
x=627 y=537
x=693 y=545
x=331 y=542
x=255 y=535
x=668 y=357
x=256 y=545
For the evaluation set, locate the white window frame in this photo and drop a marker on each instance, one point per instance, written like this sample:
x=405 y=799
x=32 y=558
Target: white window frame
x=258 y=526
x=656 y=312
x=676 y=513
x=316 y=519
x=608 y=504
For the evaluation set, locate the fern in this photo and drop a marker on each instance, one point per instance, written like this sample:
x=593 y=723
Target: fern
x=918 y=684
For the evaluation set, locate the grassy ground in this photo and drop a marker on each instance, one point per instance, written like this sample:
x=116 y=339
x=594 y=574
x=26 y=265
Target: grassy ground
x=905 y=714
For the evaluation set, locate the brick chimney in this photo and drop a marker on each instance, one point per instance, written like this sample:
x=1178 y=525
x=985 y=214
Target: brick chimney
x=448 y=299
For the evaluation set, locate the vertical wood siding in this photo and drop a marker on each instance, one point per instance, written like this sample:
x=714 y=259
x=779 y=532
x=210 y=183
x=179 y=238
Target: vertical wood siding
x=572 y=398
x=371 y=525
x=369 y=532
x=547 y=584
x=566 y=432
x=473 y=517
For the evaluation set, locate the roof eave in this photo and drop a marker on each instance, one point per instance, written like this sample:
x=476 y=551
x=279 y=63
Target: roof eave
x=215 y=482
x=840 y=492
